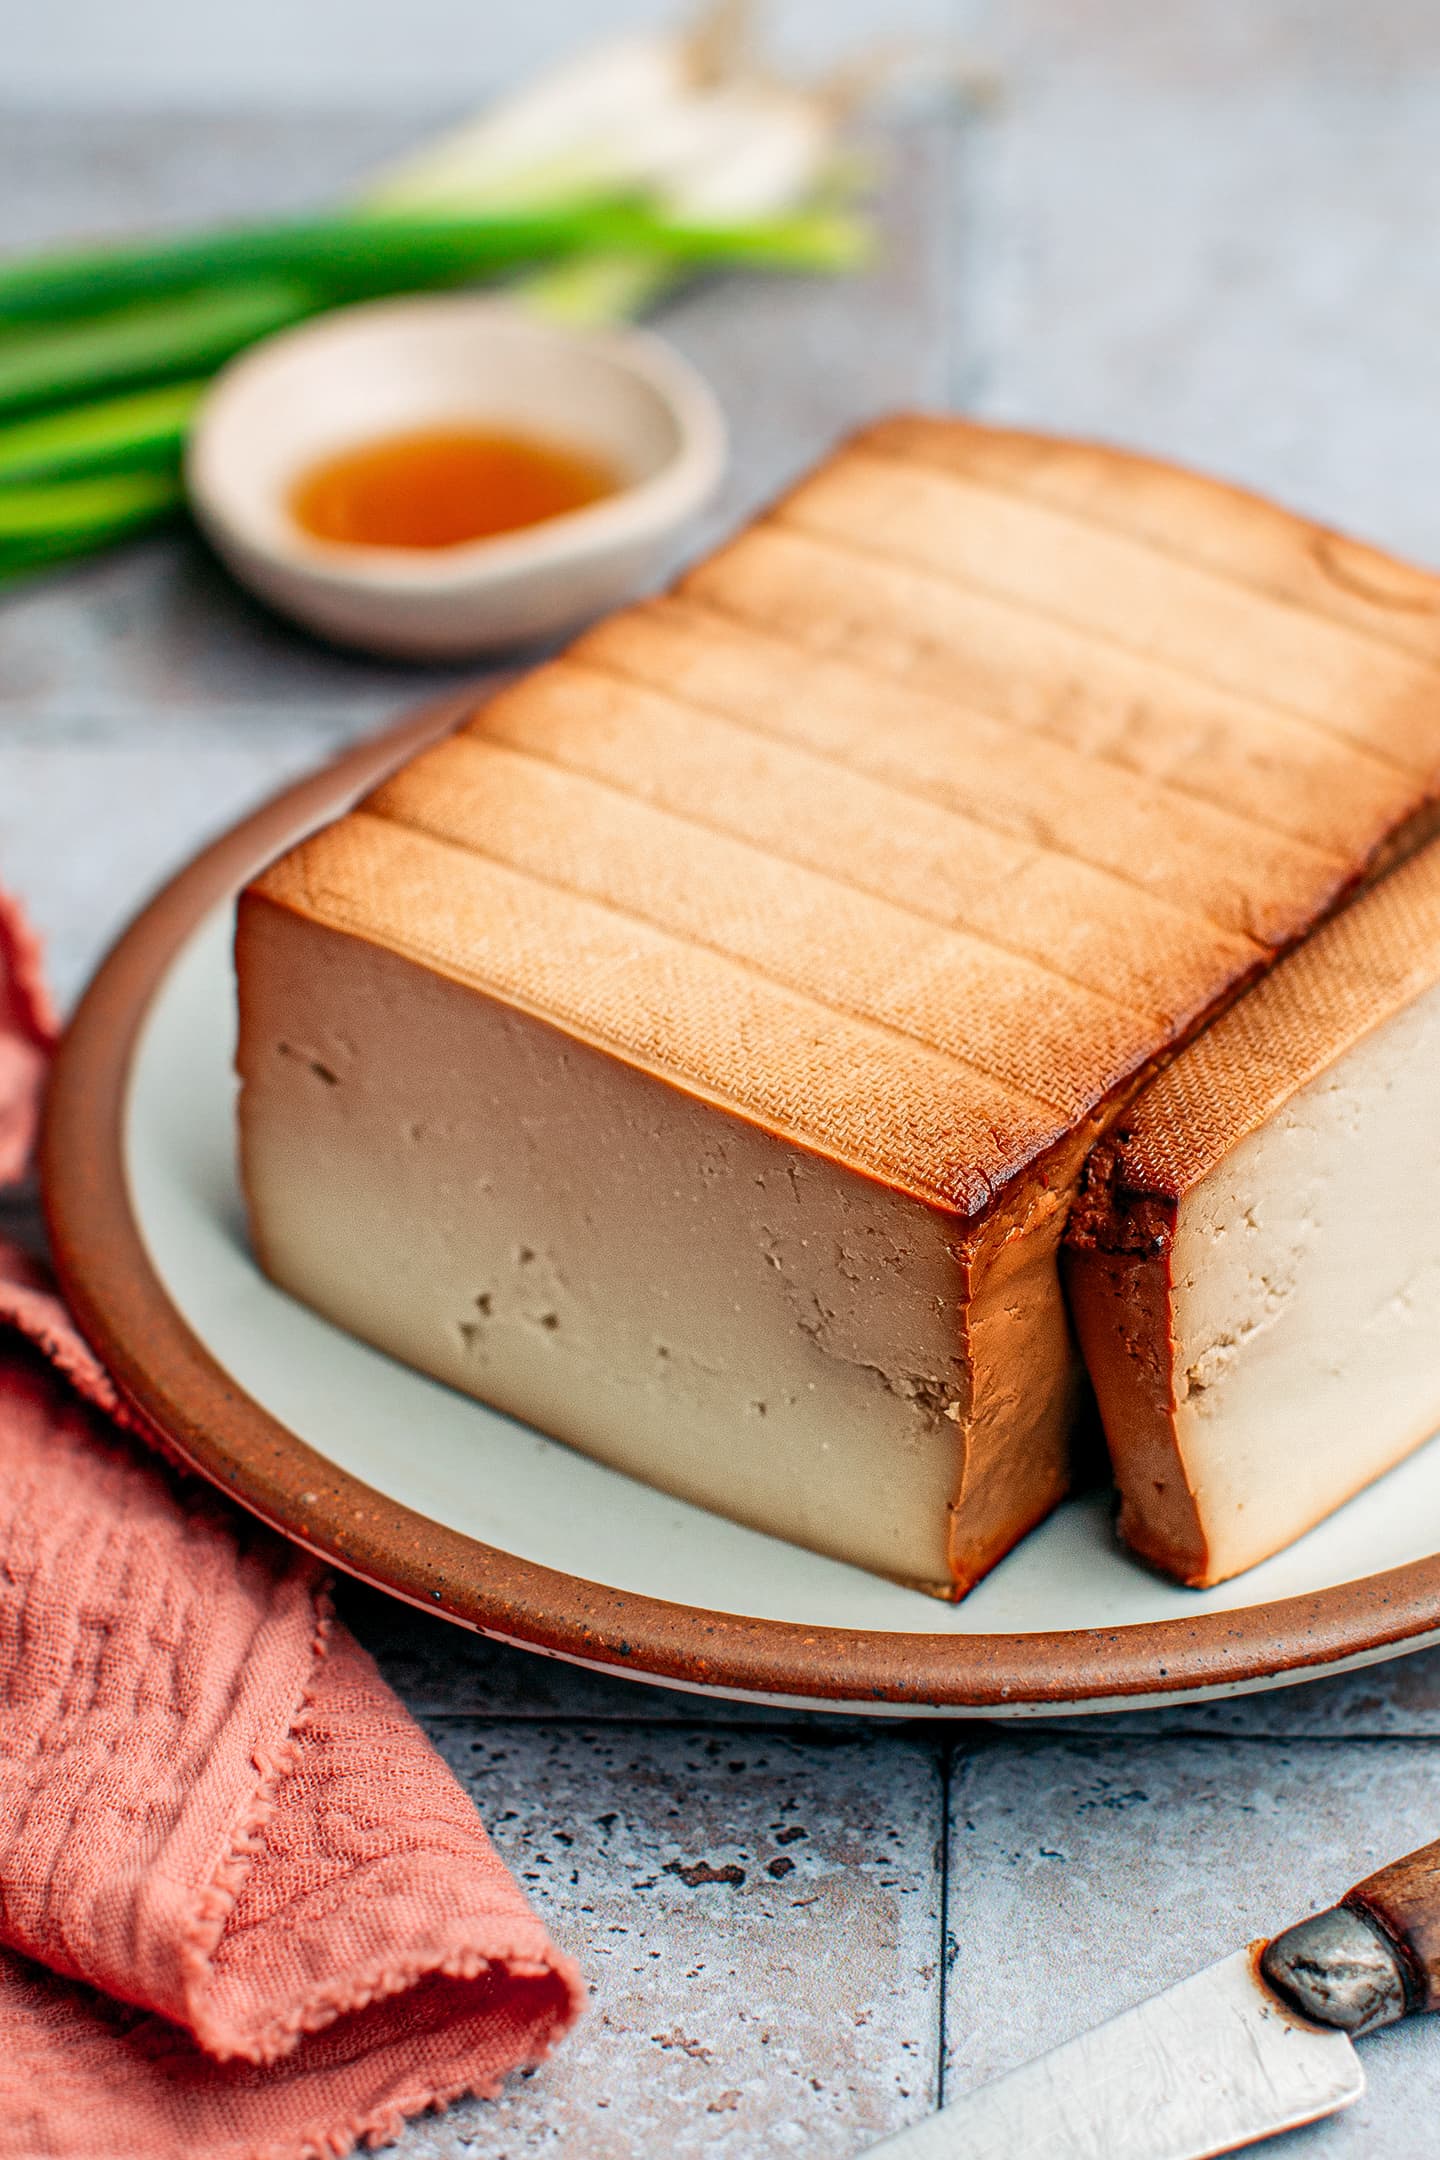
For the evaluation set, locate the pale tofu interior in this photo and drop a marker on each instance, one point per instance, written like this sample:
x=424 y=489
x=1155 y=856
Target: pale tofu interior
x=676 y=1290
x=1307 y=1296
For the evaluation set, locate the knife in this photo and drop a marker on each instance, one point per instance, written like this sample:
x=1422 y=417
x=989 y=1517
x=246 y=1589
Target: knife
x=1257 y=2044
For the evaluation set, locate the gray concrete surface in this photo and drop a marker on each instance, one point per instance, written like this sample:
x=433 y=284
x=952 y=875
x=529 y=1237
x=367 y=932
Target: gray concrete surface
x=1205 y=226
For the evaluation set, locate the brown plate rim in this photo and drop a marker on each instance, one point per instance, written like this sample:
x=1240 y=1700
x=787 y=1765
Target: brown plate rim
x=202 y=1415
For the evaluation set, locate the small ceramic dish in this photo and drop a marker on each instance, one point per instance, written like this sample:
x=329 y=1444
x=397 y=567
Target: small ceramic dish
x=391 y=366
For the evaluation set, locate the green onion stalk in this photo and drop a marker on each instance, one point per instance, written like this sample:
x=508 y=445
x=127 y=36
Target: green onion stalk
x=589 y=194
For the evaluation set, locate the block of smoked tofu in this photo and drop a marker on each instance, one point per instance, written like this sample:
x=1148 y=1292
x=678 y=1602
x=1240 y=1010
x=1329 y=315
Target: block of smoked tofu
x=696 y=1054
x=1254 y=1266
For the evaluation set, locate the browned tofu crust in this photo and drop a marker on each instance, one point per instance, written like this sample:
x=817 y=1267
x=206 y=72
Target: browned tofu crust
x=919 y=822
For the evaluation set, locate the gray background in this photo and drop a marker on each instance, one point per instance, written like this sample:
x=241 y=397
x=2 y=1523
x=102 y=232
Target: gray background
x=1203 y=226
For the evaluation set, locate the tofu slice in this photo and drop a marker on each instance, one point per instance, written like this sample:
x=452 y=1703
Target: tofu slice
x=696 y=1054
x=1254 y=1268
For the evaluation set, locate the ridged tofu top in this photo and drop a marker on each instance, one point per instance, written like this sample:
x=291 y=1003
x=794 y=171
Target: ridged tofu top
x=1358 y=970
x=927 y=813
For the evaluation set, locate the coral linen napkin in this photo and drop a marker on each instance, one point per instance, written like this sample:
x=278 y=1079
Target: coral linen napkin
x=245 y=1911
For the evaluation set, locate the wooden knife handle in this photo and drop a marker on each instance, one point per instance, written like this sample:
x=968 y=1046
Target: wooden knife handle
x=1403 y=1901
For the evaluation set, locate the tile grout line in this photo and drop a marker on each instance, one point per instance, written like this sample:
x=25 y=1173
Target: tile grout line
x=947 y=1765
x=580 y=1720
x=860 y=1729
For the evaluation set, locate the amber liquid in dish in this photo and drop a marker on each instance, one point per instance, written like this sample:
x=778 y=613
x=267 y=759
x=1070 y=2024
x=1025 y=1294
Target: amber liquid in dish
x=439 y=487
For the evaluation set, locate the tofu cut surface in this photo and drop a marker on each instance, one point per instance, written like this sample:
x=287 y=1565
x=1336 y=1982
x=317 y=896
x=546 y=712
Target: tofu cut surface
x=1254 y=1268
x=695 y=1055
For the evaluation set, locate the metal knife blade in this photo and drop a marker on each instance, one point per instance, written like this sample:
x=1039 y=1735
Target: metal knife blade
x=1214 y=2063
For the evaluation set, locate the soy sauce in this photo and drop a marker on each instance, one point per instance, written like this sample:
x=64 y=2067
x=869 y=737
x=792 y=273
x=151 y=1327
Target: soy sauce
x=439 y=487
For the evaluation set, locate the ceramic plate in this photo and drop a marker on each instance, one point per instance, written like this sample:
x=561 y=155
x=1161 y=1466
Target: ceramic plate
x=451 y=1505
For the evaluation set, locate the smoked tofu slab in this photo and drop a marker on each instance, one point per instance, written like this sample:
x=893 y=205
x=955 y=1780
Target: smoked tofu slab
x=1254 y=1266
x=697 y=1053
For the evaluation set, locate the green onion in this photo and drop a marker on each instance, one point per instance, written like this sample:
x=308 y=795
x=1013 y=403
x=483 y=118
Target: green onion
x=70 y=510
x=19 y=564
x=588 y=291
x=42 y=526
x=115 y=434
x=349 y=255
x=140 y=343
x=582 y=130
x=196 y=330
